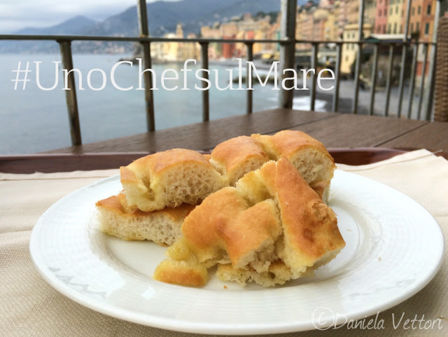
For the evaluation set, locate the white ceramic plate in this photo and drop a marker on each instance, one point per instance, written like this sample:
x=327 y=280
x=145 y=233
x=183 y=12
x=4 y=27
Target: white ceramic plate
x=394 y=248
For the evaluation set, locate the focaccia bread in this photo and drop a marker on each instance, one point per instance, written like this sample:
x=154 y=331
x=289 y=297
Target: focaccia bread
x=271 y=228
x=163 y=226
x=235 y=157
x=169 y=179
x=308 y=155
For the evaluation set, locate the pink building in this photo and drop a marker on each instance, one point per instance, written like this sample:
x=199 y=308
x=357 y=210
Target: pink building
x=381 y=16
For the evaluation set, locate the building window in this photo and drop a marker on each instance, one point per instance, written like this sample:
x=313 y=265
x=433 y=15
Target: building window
x=388 y=28
x=413 y=11
x=428 y=10
x=396 y=10
x=412 y=27
x=419 y=11
x=427 y=28
x=384 y=29
x=395 y=28
x=418 y=27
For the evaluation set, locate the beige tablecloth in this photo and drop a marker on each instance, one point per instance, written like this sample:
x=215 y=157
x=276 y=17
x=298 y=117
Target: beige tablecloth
x=30 y=307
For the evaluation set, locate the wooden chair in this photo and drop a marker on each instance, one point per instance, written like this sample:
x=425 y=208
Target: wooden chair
x=441 y=81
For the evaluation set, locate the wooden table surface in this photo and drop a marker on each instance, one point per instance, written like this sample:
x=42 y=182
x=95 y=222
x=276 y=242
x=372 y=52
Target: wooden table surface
x=334 y=130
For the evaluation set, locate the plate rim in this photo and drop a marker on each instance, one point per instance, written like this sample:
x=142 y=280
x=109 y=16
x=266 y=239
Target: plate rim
x=173 y=324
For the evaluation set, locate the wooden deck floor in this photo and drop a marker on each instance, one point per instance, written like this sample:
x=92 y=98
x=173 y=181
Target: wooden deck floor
x=371 y=137
x=334 y=130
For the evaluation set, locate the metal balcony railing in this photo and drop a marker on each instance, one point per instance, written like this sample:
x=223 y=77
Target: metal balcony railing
x=287 y=57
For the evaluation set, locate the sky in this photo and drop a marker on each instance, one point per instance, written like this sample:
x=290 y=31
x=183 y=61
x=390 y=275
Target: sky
x=18 y=14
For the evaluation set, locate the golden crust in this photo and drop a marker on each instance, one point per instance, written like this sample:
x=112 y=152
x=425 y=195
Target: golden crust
x=157 y=162
x=216 y=211
x=114 y=204
x=272 y=221
x=127 y=175
x=287 y=142
x=248 y=231
x=237 y=154
x=180 y=272
x=309 y=226
x=226 y=222
x=308 y=155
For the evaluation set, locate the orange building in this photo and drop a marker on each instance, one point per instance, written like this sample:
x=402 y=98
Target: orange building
x=421 y=26
x=228 y=49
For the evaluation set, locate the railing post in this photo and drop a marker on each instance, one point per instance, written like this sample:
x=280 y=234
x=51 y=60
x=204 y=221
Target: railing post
x=422 y=80
x=147 y=75
x=70 y=94
x=338 y=78
x=359 y=55
x=250 y=58
x=412 y=81
x=205 y=93
x=403 y=58
x=432 y=61
x=314 y=78
x=287 y=52
x=374 y=77
x=389 y=79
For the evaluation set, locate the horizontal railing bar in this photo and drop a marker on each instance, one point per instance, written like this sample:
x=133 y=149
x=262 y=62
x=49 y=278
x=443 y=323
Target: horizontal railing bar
x=162 y=39
x=384 y=43
x=130 y=39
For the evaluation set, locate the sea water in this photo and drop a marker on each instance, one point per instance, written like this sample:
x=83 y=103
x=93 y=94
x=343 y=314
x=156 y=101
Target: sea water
x=35 y=120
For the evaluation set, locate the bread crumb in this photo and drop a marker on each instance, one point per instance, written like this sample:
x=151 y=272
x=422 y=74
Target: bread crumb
x=225 y=287
x=379 y=258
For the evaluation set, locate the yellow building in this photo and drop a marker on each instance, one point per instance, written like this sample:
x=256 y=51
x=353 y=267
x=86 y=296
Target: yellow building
x=191 y=50
x=370 y=12
x=352 y=11
x=304 y=24
x=331 y=27
x=175 y=51
x=350 y=50
x=395 y=17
